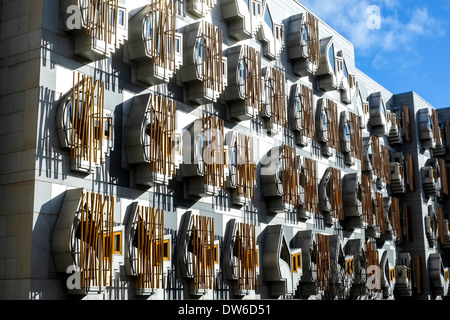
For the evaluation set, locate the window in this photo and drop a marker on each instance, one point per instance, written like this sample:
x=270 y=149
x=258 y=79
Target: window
x=122 y=18
x=296 y=262
x=331 y=58
x=150 y=32
x=345 y=70
x=268 y=92
x=304 y=35
x=200 y=47
x=268 y=18
x=348 y=132
x=166 y=250
x=108 y=128
x=324 y=119
x=392 y=274
x=243 y=71
x=430 y=123
x=349 y=266
x=280 y=169
x=117 y=248
x=177 y=144
x=298 y=104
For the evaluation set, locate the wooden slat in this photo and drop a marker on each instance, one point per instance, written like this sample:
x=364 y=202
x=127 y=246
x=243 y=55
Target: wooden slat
x=245 y=166
x=311 y=191
x=87 y=121
x=356 y=139
x=161 y=44
x=203 y=248
x=245 y=244
x=406 y=124
x=337 y=205
x=379 y=221
x=308 y=118
x=290 y=179
x=444 y=176
x=333 y=125
x=410 y=172
x=253 y=96
x=395 y=217
x=366 y=198
x=313 y=37
x=161 y=132
x=214 y=164
x=436 y=129
x=149 y=223
x=278 y=97
x=102 y=20
x=323 y=263
x=96 y=217
x=380 y=160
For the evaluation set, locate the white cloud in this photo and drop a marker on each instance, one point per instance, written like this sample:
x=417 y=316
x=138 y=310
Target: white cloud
x=400 y=27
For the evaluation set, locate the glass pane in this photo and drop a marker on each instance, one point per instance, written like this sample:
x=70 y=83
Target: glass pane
x=345 y=70
x=305 y=34
x=298 y=104
x=268 y=18
x=324 y=119
x=117 y=243
x=331 y=58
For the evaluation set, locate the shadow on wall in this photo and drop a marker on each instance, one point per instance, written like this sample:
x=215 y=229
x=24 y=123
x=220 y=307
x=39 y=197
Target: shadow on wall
x=47 y=156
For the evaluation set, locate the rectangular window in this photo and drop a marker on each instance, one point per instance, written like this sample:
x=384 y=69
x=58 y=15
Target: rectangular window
x=296 y=262
x=177 y=44
x=177 y=144
x=392 y=274
x=117 y=248
x=116 y=245
x=108 y=129
x=166 y=250
x=122 y=18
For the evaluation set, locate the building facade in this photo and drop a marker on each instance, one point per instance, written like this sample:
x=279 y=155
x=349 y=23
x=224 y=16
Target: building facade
x=203 y=149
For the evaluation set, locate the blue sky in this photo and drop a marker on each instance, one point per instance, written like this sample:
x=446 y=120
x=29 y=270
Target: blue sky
x=410 y=51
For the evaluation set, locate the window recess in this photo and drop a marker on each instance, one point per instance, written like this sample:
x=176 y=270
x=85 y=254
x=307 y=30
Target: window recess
x=244 y=92
x=148 y=249
x=82 y=238
x=205 y=68
x=150 y=140
x=302 y=114
x=154 y=44
x=196 y=260
x=241 y=257
x=241 y=168
x=84 y=125
x=105 y=24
